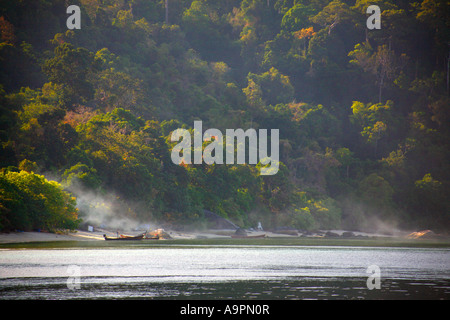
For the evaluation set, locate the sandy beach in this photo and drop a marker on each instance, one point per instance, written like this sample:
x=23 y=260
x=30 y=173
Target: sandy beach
x=18 y=237
x=79 y=235
x=97 y=235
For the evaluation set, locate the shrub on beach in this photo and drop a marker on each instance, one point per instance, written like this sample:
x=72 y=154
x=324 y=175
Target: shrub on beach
x=29 y=201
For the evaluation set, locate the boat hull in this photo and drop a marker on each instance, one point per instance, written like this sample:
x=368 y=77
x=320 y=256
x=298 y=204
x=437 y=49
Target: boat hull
x=124 y=238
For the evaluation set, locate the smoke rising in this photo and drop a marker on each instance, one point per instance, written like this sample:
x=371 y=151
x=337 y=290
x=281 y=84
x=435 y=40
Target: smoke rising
x=107 y=210
x=365 y=217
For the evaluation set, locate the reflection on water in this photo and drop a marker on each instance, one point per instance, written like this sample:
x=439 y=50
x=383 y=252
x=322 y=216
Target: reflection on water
x=288 y=289
x=259 y=272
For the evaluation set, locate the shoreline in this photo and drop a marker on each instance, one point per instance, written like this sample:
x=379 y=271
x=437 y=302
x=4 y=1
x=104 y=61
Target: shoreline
x=81 y=235
x=34 y=236
x=327 y=237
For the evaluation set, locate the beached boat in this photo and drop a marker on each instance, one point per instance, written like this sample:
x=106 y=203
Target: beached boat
x=132 y=237
x=124 y=237
x=152 y=238
x=243 y=236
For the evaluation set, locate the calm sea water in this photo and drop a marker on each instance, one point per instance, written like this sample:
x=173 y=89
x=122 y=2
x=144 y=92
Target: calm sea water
x=224 y=272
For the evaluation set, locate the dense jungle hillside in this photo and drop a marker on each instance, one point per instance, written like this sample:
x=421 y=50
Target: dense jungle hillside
x=87 y=114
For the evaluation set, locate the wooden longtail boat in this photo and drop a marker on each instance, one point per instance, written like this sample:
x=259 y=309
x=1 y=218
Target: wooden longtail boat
x=152 y=238
x=123 y=237
x=132 y=237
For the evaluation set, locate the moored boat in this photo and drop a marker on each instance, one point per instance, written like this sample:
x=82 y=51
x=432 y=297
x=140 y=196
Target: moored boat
x=124 y=237
x=151 y=237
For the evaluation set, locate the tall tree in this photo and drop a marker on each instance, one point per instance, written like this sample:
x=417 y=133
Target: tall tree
x=70 y=68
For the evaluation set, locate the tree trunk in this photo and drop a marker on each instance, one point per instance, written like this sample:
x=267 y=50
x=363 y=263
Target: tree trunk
x=166 y=5
x=448 y=71
x=380 y=89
